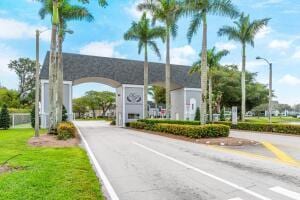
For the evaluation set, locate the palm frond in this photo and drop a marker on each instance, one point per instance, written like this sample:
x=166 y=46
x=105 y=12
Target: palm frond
x=223 y=8
x=154 y=47
x=194 y=25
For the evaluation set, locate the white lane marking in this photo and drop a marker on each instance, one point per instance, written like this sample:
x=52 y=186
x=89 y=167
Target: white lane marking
x=235 y=199
x=110 y=190
x=285 y=192
x=204 y=173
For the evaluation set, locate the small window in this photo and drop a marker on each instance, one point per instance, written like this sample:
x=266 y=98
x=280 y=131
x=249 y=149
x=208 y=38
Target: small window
x=133 y=116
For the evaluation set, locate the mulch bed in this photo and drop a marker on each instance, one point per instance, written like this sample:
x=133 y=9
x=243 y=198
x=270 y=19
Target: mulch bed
x=47 y=140
x=223 y=141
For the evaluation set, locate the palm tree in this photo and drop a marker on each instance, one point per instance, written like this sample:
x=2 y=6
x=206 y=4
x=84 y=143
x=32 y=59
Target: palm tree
x=67 y=12
x=145 y=35
x=167 y=12
x=244 y=32
x=213 y=63
x=54 y=6
x=199 y=10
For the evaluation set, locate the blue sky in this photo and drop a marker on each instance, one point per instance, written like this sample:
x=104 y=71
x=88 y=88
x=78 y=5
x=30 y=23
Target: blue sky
x=279 y=42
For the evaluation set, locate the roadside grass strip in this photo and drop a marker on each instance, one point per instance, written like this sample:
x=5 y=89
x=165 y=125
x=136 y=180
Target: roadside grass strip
x=243 y=189
x=280 y=154
x=285 y=192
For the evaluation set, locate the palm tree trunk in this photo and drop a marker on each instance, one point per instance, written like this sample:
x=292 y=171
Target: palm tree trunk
x=146 y=69
x=59 y=81
x=210 y=98
x=168 y=76
x=204 y=73
x=243 y=84
x=52 y=66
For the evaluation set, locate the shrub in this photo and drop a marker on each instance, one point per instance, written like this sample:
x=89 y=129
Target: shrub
x=113 y=122
x=66 y=130
x=197 y=115
x=265 y=127
x=4 y=118
x=193 y=131
x=222 y=115
x=164 y=121
x=64 y=114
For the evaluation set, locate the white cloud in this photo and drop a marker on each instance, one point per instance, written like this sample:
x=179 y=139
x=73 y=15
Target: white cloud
x=264 y=3
x=13 y=29
x=101 y=48
x=225 y=46
x=296 y=55
x=185 y=55
x=133 y=11
x=7 y=77
x=290 y=80
x=266 y=30
x=280 y=44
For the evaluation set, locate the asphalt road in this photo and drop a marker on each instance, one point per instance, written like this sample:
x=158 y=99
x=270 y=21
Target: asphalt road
x=141 y=166
x=287 y=143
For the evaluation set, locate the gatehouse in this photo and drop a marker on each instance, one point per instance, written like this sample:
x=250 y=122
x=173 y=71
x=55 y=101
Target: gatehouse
x=127 y=76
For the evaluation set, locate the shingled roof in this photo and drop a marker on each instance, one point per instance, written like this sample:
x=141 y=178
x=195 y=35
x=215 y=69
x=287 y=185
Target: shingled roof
x=122 y=71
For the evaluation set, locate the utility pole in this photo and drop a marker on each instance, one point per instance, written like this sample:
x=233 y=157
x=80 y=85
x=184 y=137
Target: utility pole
x=37 y=85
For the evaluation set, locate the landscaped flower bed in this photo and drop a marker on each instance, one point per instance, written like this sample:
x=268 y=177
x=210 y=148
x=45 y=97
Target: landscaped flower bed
x=192 y=131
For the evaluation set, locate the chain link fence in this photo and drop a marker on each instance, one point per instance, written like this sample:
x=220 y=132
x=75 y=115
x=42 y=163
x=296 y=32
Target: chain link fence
x=20 y=120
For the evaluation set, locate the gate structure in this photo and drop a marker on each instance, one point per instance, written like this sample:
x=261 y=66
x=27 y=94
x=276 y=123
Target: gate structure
x=127 y=76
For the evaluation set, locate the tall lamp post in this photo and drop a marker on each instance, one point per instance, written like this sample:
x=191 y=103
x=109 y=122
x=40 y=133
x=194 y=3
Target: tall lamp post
x=37 y=82
x=270 y=86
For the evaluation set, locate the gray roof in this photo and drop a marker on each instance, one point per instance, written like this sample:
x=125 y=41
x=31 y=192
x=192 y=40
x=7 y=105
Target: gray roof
x=115 y=71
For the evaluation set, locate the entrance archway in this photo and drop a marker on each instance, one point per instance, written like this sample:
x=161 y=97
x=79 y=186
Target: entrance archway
x=127 y=76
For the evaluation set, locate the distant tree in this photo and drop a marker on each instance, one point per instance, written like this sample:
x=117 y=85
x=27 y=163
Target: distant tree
x=25 y=70
x=79 y=106
x=10 y=98
x=158 y=94
x=106 y=100
x=90 y=98
x=4 y=118
x=227 y=81
x=197 y=115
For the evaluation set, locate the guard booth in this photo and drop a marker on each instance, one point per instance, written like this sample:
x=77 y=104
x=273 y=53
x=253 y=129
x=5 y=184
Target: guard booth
x=127 y=77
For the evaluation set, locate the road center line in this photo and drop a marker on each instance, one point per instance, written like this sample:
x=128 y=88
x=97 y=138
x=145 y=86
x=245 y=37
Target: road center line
x=204 y=173
x=285 y=192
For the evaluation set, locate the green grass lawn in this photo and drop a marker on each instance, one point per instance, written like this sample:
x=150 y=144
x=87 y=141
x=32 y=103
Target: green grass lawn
x=274 y=119
x=48 y=173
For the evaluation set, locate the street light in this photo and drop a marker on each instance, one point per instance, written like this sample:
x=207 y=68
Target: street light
x=37 y=82
x=270 y=86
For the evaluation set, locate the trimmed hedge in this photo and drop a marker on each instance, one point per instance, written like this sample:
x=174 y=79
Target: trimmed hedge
x=265 y=127
x=165 y=121
x=261 y=127
x=66 y=130
x=198 y=131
